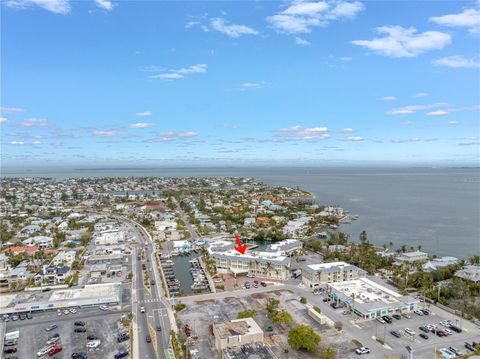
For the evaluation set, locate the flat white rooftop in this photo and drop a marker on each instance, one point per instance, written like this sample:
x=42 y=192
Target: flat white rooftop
x=321 y=266
x=367 y=291
x=88 y=292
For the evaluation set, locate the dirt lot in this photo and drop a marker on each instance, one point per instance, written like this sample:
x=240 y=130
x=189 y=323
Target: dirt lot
x=204 y=313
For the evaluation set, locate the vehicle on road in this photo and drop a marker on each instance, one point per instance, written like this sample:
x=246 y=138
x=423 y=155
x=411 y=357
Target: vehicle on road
x=148 y=339
x=159 y=328
x=51 y=327
x=142 y=309
x=152 y=282
x=362 y=350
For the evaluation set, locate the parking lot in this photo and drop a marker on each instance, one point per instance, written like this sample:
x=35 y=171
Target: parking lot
x=103 y=324
x=423 y=348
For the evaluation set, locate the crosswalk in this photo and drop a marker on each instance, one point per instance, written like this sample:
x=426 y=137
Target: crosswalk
x=156 y=300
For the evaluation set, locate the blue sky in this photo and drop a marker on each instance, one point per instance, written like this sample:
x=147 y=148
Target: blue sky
x=146 y=83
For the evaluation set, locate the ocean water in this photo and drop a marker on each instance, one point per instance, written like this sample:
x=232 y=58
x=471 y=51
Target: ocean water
x=438 y=209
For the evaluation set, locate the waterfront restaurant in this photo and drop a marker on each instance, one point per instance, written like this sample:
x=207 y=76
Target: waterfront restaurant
x=369 y=300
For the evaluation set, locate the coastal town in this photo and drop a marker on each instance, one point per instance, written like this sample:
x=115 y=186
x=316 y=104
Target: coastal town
x=227 y=268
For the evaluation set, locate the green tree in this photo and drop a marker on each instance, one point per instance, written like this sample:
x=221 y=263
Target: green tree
x=303 y=337
x=272 y=305
x=282 y=317
x=248 y=313
x=328 y=353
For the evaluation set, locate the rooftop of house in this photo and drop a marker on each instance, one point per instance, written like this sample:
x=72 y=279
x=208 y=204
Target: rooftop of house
x=237 y=327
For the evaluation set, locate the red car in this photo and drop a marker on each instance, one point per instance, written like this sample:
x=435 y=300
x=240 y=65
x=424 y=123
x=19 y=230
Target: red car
x=55 y=350
x=10 y=350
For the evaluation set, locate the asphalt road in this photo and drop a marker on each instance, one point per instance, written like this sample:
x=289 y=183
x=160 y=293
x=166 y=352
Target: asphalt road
x=153 y=302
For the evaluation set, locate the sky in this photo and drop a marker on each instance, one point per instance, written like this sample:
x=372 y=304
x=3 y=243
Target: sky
x=148 y=83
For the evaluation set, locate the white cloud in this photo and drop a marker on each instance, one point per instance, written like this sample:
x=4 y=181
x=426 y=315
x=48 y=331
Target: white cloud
x=140 y=125
x=438 y=113
x=347 y=129
x=56 y=6
x=144 y=113
x=452 y=123
x=346 y=58
x=472 y=108
x=36 y=143
x=469 y=18
x=354 y=138
x=421 y=94
x=407 y=123
x=302 y=16
x=411 y=109
x=11 y=110
x=104 y=4
x=98 y=133
x=169 y=136
x=34 y=122
x=3 y=119
x=301 y=133
x=458 y=61
x=181 y=73
x=253 y=85
x=388 y=98
x=404 y=42
x=231 y=30
x=17 y=143
x=302 y=42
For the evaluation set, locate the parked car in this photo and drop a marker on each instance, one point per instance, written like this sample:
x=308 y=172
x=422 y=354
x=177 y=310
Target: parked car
x=22 y=316
x=424 y=329
x=409 y=331
x=54 y=350
x=396 y=333
x=121 y=355
x=79 y=323
x=80 y=330
x=148 y=339
x=263 y=284
x=455 y=328
x=381 y=320
x=418 y=312
x=29 y=315
x=92 y=337
x=121 y=337
x=406 y=315
x=362 y=350
x=103 y=307
x=423 y=335
x=73 y=310
x=59 y=312
x=10 y=350
x=387 y=319
x=469 y=347
x=397 y=316
x=51 y=327
x=14 y=317
x=93 y=344
x=79 y=355
x=425 y=311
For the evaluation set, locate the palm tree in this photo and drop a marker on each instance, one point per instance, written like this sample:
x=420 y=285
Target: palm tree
x=268 y=269
x=319 y=275
x=474 y=260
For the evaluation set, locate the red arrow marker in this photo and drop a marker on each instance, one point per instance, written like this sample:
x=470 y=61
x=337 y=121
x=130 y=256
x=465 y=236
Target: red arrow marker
x=240 y=247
